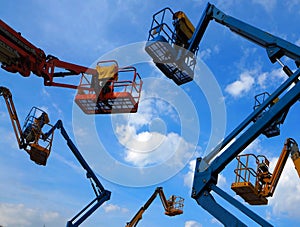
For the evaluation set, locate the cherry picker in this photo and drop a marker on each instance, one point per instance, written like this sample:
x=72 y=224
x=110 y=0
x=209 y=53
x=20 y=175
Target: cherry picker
x=172 y=207
x=173 y=41
x=38 y=145
x=29 y=137
x=173 y=49
x=105 y=89
x=254 y=185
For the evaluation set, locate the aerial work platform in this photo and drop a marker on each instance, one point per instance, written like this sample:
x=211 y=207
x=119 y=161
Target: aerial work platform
x=255 y=185
x=112 y=90
x=168 y=46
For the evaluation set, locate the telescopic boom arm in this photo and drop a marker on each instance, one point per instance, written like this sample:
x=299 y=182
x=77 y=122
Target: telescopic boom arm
x=30 y=136
x=256 y=184
x=5 y=92
x=275 y=46
x=172 y=207
x=270 y=183
x=102 y=195
x=18 y=55
x=208 y=168
x=173 y=48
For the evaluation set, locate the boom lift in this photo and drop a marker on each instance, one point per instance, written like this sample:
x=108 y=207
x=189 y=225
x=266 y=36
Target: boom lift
x=265 y=182
x=102 y=194
x=32 y=140
x=173 y=48
x=167 y=45
x=30 y=136
x=172 y=207
x=104 y=93
x=178 y=65
x=18 y=55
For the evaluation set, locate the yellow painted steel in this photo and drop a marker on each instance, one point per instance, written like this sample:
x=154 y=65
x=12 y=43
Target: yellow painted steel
x=185 y=24
x=296 y=160
x=107 y=72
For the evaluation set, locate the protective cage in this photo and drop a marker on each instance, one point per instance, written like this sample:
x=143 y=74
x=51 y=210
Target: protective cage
x=176 y=206
x=167 y=46
x=273 y=129
x=247 y=183
x=32 y=136
x=118 y=94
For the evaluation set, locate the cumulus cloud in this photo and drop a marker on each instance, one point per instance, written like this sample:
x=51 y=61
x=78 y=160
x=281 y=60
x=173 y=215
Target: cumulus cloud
x=241 y=86
x=151 y=148
x=108 y=208
x=14 y=215
x=286 y=199
x=146 y=139
x=248 y=78
x=188 y=178
x=192 y=224
x=208 y=52
x=269 y=78
x=221 y=181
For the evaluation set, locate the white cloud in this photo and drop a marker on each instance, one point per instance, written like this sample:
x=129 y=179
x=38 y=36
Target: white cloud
x=152 y=148
x=221 y=181
x=188 y=178
x=276 y=76
x=262 y=79
x=247 y=79
x=108 y=208
x=14 y=215
x=286 y=199
x=207 y=53
x=145 y=138
x=192 y=224
x=241 y=86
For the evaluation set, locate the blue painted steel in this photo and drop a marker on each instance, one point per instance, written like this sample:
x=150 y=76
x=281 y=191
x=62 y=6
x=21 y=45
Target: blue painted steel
x=208 y=202
x=206 y=174
x=275 y=46
x=102 y=195
x=204 y=180
x=240 y=206
x=250 y=118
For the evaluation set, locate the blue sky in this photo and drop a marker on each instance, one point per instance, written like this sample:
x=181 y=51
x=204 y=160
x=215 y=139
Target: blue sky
x=133 y=154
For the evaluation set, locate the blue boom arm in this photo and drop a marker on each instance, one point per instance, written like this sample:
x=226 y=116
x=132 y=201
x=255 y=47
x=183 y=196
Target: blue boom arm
x=275 y=46
x=102 y=195
x=208 y=168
